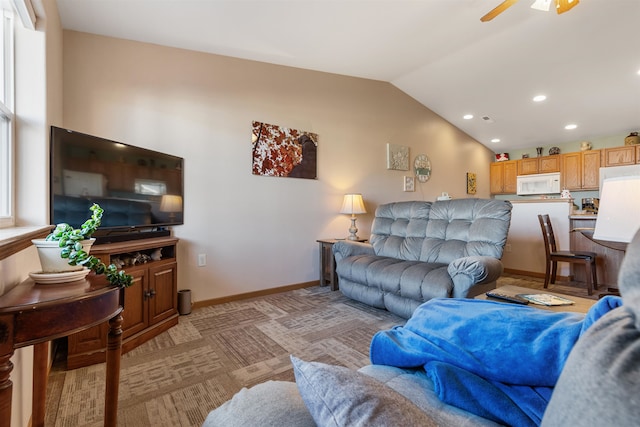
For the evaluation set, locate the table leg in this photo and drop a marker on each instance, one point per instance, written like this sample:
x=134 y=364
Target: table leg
x=40 y=377
x=6 y=352
x=321 y=264
x=5 y=389
x=114 y=350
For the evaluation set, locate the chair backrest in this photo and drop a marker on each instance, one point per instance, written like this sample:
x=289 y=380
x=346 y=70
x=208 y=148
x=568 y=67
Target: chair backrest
x=547 y=233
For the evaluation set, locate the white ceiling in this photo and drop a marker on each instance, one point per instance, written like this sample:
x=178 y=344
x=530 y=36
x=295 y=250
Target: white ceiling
x=587 y=60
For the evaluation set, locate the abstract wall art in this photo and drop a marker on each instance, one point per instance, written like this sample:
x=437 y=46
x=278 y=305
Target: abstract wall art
x=397 y=157
x=471 y=183
x=283 y=152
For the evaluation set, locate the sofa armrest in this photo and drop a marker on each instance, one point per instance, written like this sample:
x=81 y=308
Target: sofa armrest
x=346 y=248
x=474 y=270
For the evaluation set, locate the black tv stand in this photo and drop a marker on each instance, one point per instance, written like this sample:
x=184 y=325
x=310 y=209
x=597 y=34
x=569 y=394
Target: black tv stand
x=136 y=235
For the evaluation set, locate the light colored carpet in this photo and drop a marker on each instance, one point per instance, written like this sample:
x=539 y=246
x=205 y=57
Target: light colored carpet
x=178 y=377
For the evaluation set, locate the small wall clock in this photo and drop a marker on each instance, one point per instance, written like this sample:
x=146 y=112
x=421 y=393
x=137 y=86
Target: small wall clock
x=422 y=167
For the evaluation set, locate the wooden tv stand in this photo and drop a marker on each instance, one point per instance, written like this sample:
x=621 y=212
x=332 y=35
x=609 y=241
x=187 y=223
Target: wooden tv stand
x=150 y=303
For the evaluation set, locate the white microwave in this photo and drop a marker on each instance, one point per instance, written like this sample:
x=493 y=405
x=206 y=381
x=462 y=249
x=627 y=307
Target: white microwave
x=542 y=183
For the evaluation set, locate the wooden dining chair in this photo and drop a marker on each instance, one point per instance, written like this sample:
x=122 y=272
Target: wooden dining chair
x=588 y=259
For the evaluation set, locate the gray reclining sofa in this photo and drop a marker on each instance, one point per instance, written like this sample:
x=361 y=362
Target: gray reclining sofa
x=424 y=250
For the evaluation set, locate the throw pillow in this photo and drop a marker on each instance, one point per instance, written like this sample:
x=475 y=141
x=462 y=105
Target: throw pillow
x=268 y=404
x=337 y=396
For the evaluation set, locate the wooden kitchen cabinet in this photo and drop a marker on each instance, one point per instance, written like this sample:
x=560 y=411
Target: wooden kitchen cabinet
x=548 y=164
x=620 y=156
x=545 y=164
x=528 y=166
x=150 y=303
x=581 y=170
x=503 y=177
x=591 y=169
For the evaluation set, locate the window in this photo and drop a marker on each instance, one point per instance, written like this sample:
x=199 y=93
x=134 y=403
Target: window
x=6 y=120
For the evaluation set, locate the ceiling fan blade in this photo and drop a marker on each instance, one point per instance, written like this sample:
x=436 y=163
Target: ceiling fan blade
x=564 y=5
x=499 y=9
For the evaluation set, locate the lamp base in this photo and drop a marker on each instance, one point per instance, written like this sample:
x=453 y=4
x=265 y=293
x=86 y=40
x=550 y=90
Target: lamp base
x=353 y=229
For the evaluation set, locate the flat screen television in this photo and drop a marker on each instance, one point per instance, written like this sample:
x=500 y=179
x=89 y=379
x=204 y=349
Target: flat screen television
x=140 y=190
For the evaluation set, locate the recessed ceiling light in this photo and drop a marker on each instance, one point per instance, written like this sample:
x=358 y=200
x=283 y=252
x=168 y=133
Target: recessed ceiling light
x=639 y=72
x=495 y=140
x=571 y=126
x=468 y=116
x=539 y=98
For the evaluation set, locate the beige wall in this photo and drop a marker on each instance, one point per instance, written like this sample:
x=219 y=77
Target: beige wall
x=258 y=232
x=38 y=104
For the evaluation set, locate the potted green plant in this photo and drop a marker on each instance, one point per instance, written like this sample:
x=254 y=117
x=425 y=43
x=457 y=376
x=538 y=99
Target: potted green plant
x=67 y=249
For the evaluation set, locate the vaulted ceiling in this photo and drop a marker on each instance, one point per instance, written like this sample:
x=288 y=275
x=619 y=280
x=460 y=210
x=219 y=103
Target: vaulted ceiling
x=586 y=61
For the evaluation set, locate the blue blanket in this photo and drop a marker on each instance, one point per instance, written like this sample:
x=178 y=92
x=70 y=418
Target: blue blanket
x=497 y=360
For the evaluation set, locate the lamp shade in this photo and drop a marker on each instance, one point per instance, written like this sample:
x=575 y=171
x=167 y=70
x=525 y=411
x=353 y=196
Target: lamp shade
x=618 y=218
x=171 y=203
x=353 y=204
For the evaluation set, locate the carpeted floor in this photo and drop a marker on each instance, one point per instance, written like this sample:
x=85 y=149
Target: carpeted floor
x=178 y=377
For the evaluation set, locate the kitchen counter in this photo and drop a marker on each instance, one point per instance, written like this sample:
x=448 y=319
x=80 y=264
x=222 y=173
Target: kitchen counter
x=542 y=200
x=524 y=251
x=583 y=216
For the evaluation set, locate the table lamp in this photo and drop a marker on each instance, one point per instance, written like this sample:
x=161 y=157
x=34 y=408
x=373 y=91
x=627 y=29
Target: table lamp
x=172 y=204
x=618 y=218
x=353 y=204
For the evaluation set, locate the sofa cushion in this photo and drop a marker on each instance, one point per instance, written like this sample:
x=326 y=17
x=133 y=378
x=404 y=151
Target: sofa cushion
x=441 y=231
x=268 y=404
x=398 y=229
x=468 y=227
x=413 y=279
x=338 y=396
x=416 y=386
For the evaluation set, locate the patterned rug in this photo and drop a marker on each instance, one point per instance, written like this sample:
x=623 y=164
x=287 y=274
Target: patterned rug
x=178 y=377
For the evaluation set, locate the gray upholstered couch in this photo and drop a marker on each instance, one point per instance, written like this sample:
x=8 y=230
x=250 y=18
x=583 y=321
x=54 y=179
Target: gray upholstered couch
x=598 y=385
x=424 y=250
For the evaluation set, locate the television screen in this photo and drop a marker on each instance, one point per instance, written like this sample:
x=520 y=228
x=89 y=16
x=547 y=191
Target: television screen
x=139 y=189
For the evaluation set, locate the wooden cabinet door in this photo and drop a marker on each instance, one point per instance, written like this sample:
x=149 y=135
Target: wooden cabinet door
x=89 y=340
x=637 y=153
x=527 y=166
x=503 y=177
x=135 y=315
x=549 y=164
x=510 y=177
x=620 y=156
x=163 y=302
x=590 y=169
x=572 y=171
x=496 y=177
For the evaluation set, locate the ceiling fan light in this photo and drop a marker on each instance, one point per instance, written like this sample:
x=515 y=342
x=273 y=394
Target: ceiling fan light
x=544 y=5
x=563 y=6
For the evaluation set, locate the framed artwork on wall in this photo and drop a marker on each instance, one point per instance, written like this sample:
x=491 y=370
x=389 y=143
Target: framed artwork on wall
x=471 y=183
x=409 y=183
x=397 y=157
x=284 y=152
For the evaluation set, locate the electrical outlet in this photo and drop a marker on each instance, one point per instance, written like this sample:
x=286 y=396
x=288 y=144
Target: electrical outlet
x=202 y=260
x=507 y=247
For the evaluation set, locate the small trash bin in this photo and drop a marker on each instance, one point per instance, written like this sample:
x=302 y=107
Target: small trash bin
x=184 y=301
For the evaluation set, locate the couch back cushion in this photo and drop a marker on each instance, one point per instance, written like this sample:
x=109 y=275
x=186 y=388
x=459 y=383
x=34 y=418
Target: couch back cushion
x=441 y=231
x=399 y=229
x=466 y=227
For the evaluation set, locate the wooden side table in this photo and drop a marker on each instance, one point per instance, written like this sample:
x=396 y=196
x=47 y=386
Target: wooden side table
x=328 y=263
x=33 y=314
